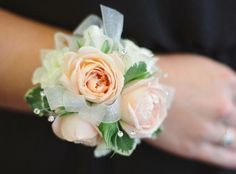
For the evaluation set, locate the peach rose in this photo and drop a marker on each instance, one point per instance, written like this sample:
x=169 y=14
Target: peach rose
x=75 y=129
x=143 y=108
x=97 y=76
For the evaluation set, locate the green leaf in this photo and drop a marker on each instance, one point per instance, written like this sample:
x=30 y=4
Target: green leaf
x=137 y=72
x=37 y=101
x=157 y=132
x=122 y=145
x=108 y=130
x=61 y=111
x=79 y=42
x=105 y=46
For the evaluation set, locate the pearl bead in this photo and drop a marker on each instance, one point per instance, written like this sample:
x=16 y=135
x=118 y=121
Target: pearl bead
x=123 y=51
x=51 y=118
x=37 y=111
x=120 y=134
x=42 y=93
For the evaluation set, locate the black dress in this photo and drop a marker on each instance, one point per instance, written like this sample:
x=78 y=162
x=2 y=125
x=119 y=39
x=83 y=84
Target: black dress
x=206 y=27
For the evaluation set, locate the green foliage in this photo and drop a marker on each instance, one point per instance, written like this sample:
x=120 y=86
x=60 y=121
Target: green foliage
x=136 y=72
x=157 y=132
x=79 y=42
x=61 y=111
x=122 y=145
x=105 y=46
x=37 y=101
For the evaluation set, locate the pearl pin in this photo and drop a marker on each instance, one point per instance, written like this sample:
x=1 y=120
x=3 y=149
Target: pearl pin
x=120 y=134
x=51 y=118
x=37 y=111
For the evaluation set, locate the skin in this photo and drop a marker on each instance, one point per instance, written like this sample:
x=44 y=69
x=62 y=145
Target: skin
x=203 y=108
x=21 y=40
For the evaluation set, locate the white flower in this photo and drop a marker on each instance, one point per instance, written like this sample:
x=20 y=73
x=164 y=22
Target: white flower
x=51 y=70
x=135 y=54
x=94 y=36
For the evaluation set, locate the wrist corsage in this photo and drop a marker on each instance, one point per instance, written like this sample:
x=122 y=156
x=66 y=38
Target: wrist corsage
x=98 y=89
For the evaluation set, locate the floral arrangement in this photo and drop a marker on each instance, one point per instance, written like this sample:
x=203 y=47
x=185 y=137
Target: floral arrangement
x=98 y=89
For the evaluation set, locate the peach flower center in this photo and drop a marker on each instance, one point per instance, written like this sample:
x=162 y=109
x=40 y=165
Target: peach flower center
x=98 y=81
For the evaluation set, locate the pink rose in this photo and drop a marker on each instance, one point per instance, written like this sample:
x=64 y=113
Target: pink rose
x=97 y=76
x=75 y=129
x=143 y=108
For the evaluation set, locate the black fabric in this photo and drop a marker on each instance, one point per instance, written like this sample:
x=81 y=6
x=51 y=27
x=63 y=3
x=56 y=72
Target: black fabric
x=204 y=27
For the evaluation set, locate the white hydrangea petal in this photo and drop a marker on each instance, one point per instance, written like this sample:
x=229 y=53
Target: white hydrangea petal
x=52 y=58
x=94 y=36
x=101 y=150
x=38 y=74
x=135 y=54
x=44 y=52
x=50 y=78
x=52 y=67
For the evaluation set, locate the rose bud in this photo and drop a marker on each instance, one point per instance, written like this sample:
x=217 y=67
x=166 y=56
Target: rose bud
x=143 y=108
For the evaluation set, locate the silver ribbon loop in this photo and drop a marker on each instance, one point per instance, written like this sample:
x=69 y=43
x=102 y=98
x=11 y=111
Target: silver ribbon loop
x=112 y=22
x=58 y=96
